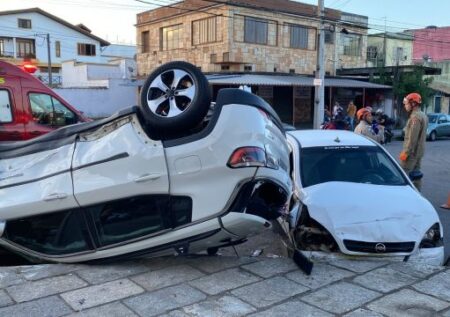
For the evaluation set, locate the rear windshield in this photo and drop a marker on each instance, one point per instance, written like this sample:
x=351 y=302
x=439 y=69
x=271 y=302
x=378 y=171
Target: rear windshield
x=355 y=164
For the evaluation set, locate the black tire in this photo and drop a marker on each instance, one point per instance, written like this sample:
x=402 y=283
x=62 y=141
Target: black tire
x=183 y=104
x=433 y=136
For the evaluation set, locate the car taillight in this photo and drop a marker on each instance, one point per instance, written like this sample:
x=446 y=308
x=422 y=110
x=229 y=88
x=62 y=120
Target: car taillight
x=249 y=156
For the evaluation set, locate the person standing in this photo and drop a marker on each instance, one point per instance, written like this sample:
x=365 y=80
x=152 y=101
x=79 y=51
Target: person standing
x=364 y=126
x=337 y=109
x=415 y=136
x=351 y=112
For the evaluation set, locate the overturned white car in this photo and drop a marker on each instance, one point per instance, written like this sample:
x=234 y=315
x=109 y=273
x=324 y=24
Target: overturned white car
x=354 y=199
x=162 y=178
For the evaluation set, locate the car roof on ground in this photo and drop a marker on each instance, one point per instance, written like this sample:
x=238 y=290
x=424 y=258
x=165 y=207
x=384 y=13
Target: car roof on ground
x=319 y=138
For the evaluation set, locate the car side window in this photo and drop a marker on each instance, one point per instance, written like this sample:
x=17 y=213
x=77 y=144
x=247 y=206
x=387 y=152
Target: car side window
x=5 y=107
x=131 y=218
x=55 y=233
x=47 y=110
x=442 y=119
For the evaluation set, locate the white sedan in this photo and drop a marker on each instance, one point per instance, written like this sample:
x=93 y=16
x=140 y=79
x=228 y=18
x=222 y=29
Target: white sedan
x=163 y=178
x=355 y=200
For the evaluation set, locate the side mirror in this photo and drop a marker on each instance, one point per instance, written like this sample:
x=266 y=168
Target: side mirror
x=415 y=175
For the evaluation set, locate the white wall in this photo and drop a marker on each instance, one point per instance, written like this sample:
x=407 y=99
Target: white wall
x=101 y=102
x=42 y=25
x=76 y=75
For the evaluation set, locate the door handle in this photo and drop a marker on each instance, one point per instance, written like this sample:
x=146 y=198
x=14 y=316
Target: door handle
x=55 y=196
x=147 y=177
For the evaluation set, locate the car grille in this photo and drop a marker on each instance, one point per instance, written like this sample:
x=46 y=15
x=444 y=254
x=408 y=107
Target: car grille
x=378 y=247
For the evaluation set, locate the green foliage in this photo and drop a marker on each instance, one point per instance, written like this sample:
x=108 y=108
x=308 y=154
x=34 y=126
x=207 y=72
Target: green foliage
x=404 y=83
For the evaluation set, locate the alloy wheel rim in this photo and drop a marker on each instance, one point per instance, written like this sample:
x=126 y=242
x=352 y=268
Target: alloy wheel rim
x=171 y=93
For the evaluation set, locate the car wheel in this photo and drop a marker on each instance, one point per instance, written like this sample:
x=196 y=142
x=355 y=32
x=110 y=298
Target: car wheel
x=175 y=97
x=433 y=136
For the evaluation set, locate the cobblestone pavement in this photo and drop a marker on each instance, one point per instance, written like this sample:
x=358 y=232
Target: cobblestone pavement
x=226 y=286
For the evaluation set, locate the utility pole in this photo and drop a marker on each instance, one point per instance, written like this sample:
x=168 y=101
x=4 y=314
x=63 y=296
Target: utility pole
x=319 y=82
x=49 y=61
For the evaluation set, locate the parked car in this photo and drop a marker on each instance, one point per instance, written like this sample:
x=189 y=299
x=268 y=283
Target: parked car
x=438 y=126
x=158 y=179
x=353 y=199
x=28 y=108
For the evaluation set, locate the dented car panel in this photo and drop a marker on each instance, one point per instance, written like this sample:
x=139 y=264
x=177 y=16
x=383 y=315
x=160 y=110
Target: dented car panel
x=349 y=214
x=376 y=213
x=109 y=189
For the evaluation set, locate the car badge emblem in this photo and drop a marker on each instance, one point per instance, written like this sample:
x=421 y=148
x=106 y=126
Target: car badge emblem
x=337 y=140
x=380 y=248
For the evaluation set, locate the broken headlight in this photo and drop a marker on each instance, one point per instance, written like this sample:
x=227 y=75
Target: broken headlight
x=432 y=238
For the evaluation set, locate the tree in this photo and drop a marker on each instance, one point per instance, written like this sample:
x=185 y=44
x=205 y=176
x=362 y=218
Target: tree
x=404 y=83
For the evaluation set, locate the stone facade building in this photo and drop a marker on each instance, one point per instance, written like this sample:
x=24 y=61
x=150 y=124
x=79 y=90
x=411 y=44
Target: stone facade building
x=248 y=36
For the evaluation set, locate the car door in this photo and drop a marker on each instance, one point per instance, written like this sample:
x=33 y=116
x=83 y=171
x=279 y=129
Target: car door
x=121 y=180
x=47 y=114
x=37 y=205
x=446 y=126
x=441 y=125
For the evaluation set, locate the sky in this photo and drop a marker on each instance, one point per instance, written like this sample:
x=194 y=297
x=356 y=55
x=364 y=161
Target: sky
x=113 y=20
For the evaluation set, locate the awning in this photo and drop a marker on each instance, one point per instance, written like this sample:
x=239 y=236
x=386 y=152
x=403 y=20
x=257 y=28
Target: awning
x=277 y=80
x=286 y=80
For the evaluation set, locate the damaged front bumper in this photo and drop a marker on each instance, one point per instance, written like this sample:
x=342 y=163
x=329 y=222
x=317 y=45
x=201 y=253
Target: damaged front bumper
x=428 y=256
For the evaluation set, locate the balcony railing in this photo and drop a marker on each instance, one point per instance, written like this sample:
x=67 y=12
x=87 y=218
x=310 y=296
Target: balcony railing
x=56 y=79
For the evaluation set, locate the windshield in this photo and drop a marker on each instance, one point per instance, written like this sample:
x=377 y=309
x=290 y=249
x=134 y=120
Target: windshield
x=355 y=164
x=432 y=118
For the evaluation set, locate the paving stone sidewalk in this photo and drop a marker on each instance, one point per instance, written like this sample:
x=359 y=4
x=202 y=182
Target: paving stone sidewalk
x=225 y=286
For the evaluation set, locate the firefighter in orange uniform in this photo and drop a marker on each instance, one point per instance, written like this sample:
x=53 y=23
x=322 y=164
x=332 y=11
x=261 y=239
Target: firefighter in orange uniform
x=415 y=136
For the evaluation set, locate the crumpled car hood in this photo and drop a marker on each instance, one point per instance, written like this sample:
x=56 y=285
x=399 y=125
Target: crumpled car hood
x=371 y=213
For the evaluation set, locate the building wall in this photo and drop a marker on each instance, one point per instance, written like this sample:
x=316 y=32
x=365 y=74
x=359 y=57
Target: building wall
x=391 y=47
x=432 y=42
x=231 y=51
x=101 y=102
x=42 y=25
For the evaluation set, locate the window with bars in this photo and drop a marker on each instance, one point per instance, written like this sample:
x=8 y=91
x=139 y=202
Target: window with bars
x=58 y=48
x=298 y=36
x=255 y=30
x=25 y=48
x=372 y=53
x=351 y=44
x=86 y=49
x=24 y=23
x=145 y=41
x=170 y=37
x=204 y=31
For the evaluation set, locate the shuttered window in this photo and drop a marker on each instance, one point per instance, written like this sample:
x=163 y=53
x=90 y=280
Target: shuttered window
x=298 y=36
x=204 y=31
x=170 y=37
x=145 y=41
x=255 y=31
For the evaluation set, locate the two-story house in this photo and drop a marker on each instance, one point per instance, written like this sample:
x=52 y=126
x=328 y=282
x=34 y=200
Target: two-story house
x=248 y=35
x=24 y=34
x=258 y=41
